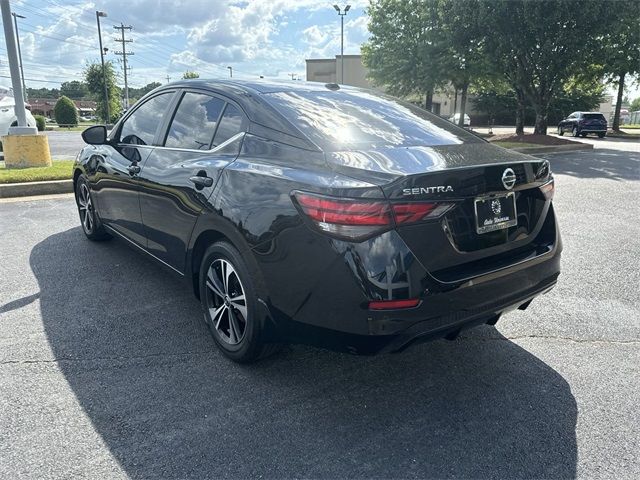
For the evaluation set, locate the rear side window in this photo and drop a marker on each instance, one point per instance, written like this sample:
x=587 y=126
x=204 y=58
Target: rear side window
x=195 y=122
x=230 y=125
x=352 y=119
x=140 y=128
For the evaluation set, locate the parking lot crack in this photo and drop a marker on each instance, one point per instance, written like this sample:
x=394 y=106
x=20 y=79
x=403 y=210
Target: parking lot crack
x=567 y=339
x=103 y=359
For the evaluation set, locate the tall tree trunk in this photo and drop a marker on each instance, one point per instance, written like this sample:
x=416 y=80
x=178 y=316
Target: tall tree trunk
x=455 y=99
x=428 y=102
x=541 y=124
x=616 y=115
x=542 y=111
x=520 y=112
x=463 y=104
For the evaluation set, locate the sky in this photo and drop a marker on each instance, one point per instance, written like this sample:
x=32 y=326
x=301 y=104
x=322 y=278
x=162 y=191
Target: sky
x=255 y=37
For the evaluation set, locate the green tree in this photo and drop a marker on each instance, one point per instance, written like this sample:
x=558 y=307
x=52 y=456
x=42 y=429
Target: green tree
x=539 y=45
x=142 y=91
x=464 y=61
x=635 y=105
x=621 y=49
x=405 y=52
x=43 y=92
x=189 y=74
x=65 y=112
x=74 y=89
x=95 y=81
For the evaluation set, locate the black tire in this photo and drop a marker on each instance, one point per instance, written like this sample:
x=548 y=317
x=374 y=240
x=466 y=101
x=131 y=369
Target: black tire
x=575 y=132
x=238 y=328
x=583 y=135
x=89 y=220
x=601 y=135
x=560 y=131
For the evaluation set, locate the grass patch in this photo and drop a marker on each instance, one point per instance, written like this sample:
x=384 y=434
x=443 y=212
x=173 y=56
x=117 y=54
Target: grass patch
x=59 y=170
x=516 y=144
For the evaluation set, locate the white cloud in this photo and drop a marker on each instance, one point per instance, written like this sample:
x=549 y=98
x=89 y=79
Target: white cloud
x=170 y=36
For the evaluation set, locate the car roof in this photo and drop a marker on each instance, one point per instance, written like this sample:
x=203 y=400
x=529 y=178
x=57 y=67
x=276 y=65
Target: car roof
x=261 y=86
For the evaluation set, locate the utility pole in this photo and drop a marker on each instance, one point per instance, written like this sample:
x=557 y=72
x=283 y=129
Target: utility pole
x=342 y=15
x=168 y=78
x=10 y=40
x=124 y=54
x=104 y=72
x=292 y=75
x=15 y=21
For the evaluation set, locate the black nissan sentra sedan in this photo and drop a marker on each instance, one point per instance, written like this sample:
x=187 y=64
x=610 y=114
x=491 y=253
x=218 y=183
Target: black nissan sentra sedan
x=321 y=214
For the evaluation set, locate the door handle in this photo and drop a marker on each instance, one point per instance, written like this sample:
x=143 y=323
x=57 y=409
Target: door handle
x=201 y=181
x=133 y=169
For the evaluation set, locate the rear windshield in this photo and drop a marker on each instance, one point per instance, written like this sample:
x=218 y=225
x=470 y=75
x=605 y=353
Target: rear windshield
x=348 y=120
x=594 y=116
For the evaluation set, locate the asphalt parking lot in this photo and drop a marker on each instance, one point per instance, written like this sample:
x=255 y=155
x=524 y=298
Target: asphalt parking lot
x=107 y=371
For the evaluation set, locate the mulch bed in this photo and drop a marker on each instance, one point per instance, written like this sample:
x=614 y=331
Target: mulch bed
x=531 y=138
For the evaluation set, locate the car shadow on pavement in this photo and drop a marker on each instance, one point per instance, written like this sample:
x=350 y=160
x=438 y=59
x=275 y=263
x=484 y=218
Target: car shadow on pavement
x=131 y=344
x=598 y=163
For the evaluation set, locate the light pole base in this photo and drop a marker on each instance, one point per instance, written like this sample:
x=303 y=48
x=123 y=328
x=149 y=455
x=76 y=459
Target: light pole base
x=23 y=131
x=22 y=151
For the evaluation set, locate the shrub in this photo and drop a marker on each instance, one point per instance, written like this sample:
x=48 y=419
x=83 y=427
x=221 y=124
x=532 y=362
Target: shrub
x=65 y=112
x=41 y=123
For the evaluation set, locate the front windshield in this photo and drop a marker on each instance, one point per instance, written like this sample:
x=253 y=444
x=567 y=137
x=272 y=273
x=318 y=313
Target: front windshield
x=356 y=119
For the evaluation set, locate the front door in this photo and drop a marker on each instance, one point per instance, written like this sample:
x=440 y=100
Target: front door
x=117 y=166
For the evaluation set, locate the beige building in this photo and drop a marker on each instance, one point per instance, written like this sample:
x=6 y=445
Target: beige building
x=328 y=70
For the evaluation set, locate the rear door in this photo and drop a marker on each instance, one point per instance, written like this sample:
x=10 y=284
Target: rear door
x=116 y=181
x=203 y=136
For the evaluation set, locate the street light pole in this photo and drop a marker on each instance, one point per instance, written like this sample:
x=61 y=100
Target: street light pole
x=15 y=21
x=342 y=15
x=104 y=72
x=230 y=72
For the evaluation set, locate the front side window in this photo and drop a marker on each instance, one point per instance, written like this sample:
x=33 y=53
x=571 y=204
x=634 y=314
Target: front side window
x=195 y=122
x=230 y=125
x=140 y=128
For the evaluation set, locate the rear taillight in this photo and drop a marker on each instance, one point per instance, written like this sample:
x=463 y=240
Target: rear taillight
x=548 y=189
x=358 y=219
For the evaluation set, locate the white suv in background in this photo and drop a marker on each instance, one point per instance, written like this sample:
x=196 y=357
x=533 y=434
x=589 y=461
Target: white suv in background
x=7 y=111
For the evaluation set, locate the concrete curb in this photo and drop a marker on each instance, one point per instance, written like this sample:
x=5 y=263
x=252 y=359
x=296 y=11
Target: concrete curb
x=30 y=189
x=552 y=148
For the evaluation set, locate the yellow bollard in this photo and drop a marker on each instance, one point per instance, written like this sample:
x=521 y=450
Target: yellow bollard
x=22 y=151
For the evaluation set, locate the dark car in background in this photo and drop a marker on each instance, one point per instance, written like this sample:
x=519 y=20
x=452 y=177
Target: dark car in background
x=584 y=123
x=321 y=214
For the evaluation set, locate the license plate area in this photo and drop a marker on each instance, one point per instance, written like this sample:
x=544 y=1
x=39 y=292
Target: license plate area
x=495 y=212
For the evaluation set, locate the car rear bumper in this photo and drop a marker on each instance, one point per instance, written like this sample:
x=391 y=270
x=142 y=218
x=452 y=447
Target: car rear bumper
x=443 y=314
x=592 y=130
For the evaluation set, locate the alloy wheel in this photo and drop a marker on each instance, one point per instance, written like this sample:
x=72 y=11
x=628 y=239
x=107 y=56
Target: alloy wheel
x=86 y=208
x=226 y=302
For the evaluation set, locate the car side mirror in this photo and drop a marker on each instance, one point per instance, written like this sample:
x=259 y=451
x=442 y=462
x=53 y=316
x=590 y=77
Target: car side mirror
x=96 y=135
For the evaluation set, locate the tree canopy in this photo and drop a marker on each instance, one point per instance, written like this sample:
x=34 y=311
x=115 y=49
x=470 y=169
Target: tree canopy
x=189 y=74
x=537 y=48
x=95 y=81
x=65 y=112
x=74 y=89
